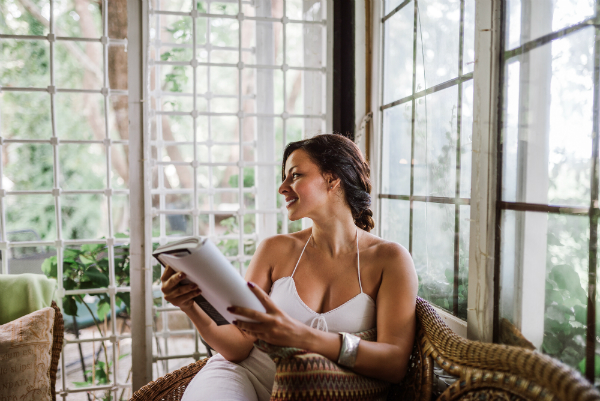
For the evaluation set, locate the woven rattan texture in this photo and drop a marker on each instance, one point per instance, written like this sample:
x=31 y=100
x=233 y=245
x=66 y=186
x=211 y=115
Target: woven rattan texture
x=483 y=367
x=57 y=346
x=171 y=386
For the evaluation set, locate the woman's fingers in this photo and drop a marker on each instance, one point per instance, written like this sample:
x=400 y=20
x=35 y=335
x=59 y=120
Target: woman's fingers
x=172 y=281
x=182 y=299
x=169 y=271
x=253 y=328
x=246 y=312
x=263 y=297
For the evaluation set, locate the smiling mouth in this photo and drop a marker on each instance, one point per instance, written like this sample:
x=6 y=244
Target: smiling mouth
x=290 y=202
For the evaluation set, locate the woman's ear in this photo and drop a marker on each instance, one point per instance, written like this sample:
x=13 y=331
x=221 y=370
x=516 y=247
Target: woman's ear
x=333 y=181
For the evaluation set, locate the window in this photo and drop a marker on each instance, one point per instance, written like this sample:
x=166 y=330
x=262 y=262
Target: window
x=64 y=198
x=548 y=200
x=231 y=83
x=425 y=171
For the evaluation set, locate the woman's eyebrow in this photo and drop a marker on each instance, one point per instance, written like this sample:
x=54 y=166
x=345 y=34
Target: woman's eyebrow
x=290 y=169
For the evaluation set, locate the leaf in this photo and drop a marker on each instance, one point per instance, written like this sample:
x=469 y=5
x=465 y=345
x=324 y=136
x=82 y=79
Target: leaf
x=551 y=344
x=96 y=277
x=49 y=267
x=123 y=356
x=81 y=384
x=126 y=297
x=103 y=309
x=70 y=305
x=87 y=260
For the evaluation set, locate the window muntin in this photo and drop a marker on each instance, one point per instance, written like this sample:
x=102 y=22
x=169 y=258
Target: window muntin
x=426 y=141
x=549 y=194
x=225 y=102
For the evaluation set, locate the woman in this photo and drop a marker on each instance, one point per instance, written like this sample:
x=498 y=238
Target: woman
x=329 y=278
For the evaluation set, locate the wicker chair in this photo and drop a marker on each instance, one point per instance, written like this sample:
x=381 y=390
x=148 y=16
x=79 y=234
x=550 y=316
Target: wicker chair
x=57 y=345
x=445 y=367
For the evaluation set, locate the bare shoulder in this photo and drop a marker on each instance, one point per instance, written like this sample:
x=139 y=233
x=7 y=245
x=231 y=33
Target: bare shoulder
x=393 y=258
x=281 y=245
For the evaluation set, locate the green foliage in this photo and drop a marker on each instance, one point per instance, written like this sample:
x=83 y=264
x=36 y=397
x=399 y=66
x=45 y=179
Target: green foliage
x=88 y=268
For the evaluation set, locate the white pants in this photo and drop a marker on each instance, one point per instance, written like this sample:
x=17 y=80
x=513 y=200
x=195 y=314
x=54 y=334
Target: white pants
x=251 y=380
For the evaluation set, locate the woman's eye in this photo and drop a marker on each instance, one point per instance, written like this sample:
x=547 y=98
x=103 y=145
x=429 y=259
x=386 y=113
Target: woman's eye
x=294 y=175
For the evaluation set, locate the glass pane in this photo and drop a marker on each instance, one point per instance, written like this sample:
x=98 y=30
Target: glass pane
x=398 y=55
x=88 y=124
x=82 y=166
x=549 y=92
x=435 y=144
x=310 y=10
x=550 y=313
x=81 y=18
x=25 y=63
x=224 y=32
x=469 y=37
x=28 y=166
x=532 y=19
x=437 y=42
x=84 y=216
x=25 y=115
x=433 y=251
x=71 y=73
x=30 y=216
x=395 y=224
x=17 y=20
x=396 y=149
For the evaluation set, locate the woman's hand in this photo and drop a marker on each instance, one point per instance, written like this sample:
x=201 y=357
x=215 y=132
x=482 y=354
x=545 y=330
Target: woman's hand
x=178 y=293
x=275 y=326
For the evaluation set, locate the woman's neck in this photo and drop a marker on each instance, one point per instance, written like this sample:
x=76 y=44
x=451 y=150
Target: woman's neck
x=335 y=235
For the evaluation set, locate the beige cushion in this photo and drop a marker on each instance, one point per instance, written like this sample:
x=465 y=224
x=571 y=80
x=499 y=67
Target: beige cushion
x=25 y=354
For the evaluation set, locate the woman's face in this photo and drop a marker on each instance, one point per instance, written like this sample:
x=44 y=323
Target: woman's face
x=304 y=187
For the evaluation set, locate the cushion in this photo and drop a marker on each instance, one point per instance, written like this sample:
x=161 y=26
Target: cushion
x=305 y=375
x=35 y=291
x=25 y=357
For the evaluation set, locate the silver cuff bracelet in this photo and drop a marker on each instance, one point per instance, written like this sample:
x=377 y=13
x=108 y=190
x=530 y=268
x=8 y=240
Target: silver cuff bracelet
x=349 y=350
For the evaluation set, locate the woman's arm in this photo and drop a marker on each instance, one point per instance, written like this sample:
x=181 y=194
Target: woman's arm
x=386 y=359
x=228 y=340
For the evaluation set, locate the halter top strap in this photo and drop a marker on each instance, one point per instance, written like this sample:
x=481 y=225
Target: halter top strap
x=301 y=253
x=357 y=259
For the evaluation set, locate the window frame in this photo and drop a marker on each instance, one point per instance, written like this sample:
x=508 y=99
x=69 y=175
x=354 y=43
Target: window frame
x=488 y=31
x=374 y=140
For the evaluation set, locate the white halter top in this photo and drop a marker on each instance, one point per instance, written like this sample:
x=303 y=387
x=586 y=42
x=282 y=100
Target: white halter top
x=355 y=315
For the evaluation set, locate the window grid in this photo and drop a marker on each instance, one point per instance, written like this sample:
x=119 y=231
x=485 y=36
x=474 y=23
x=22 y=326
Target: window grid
x=57 y=192
x=157 y=112
x=593 y=210
x=457 y=201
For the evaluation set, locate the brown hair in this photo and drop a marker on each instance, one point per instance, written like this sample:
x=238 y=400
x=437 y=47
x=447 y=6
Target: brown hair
x=340 y=156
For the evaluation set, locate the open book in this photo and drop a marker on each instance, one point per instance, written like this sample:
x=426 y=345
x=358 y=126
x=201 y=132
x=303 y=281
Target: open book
x=205 y=265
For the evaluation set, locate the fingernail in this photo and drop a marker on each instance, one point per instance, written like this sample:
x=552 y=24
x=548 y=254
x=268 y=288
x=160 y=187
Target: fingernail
x=198 y=291
x=181 y=275
x=250 y=284
x=194 y=286
x=235 y=322
x=230 y=309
